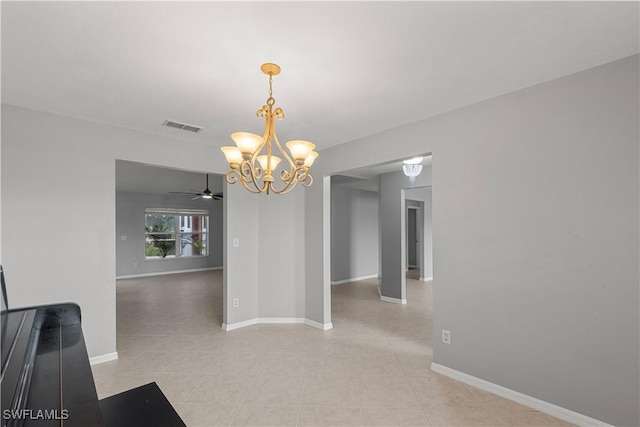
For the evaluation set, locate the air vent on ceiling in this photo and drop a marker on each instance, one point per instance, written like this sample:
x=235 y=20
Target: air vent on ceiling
x=183 y=126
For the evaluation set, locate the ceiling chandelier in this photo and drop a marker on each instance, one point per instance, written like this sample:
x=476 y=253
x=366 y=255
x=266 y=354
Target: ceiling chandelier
x=412 y=167
x=252 y=160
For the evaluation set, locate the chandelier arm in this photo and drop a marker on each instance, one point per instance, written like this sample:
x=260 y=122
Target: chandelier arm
x=287 y=187
x=269 y=130
x=284 y=190
x=279 y=113
x=292 y=178
x=248 y=180
x=266 y=113
x=286 y=175
x=232 y=176
x=308 y=180
x=251 y=190
x=250 y=174
x=292 y=165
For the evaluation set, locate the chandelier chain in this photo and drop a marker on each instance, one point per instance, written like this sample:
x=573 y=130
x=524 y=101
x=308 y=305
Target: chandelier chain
x=271 y=101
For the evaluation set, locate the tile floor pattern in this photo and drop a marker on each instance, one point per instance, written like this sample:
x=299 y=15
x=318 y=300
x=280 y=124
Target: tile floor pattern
x=372 y=369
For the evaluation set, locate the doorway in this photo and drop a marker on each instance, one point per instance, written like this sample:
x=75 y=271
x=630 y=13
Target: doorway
x=418 y=233
x=413 y=241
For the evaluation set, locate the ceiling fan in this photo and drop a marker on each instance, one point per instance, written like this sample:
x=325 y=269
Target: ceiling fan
x=206 y=194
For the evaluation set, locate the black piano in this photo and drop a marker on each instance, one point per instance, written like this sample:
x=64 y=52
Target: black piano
x=46 y=377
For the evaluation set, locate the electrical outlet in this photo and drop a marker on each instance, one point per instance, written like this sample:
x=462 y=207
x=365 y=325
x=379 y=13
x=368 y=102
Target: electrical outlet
x=135 y=265
x=446 y=336
x=236 y=302
x=236 y=242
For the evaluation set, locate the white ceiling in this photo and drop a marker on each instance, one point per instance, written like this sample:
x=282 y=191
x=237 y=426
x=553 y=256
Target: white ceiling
x=349 y=69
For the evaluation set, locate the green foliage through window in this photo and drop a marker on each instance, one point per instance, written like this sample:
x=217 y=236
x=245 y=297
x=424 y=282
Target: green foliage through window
x=175 y=233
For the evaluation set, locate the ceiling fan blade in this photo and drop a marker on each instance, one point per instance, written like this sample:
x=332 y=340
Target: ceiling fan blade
x=197 y=197
x=183 y=193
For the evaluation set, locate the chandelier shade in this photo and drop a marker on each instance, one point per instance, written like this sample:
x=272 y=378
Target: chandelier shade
x=233 y=155
x=253 y=161
x=246 y=142
x=269 y=163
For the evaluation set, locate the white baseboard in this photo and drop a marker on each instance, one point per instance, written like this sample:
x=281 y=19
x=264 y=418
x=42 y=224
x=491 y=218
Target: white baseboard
x=280 y=320
x=354 y=279
x=239 y=325
x=532 y=402
x=393 y=300
x=277 y=320
x=426 y=279
x=103 y=358
x=322 y=326
x=163 y=273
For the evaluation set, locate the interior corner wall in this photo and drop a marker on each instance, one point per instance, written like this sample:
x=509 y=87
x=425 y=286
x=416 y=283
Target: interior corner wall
x=354 y=233
x=281 y=255
x=62 y=242
x=317 y=238
x=130 y=235
x=536 y=236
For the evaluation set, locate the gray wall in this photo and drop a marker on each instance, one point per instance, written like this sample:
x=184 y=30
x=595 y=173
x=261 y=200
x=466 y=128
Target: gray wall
x=536 y=243
x=426 y=269
x=354 y=233
x=280 y=231
x=240 y=275
x=536 y=235
x=68 y=231
x=130 y=253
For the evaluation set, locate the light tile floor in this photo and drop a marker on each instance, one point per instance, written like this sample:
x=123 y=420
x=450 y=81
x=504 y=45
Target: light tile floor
x=372 y=368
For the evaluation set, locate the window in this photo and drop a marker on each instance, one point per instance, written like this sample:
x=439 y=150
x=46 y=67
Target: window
x=176 y=233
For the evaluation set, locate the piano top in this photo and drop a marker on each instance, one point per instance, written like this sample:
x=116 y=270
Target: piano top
x=46 y=377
